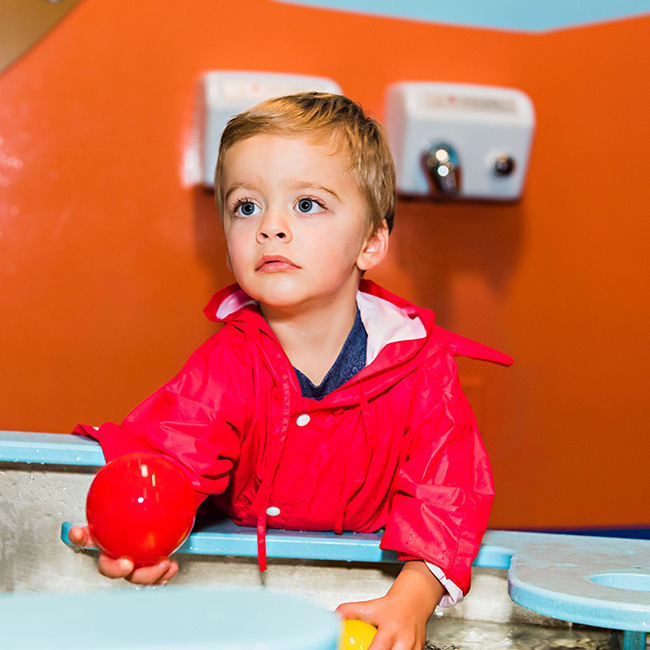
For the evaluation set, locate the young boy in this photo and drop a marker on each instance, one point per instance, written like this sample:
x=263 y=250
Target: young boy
x=324 y=402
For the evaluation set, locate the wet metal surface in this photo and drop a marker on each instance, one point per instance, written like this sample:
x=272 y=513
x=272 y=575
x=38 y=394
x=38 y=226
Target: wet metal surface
x=456 y=634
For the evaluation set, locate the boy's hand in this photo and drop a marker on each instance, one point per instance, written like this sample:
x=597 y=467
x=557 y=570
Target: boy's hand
x=401 y=615
x=157 y=574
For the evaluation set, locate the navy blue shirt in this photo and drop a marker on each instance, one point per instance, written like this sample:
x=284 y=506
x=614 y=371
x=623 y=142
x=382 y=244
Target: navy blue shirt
x=351 y=359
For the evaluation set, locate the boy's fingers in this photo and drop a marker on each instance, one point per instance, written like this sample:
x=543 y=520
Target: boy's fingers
x=156 y=574
x=80 y=536
x=114 y=568
x=391 y=642
x=109 y=567
x=153 y=575
x=380 y=643
x=363 y=611
x=168 y=575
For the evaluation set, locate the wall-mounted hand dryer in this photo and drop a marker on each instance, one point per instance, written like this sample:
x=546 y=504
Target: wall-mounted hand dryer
x=224 y=94
x=459 y=141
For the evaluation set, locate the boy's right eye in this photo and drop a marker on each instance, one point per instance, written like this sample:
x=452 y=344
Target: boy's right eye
x=245 y=208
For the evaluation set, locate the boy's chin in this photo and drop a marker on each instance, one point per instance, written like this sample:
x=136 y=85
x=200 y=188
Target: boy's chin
x=279 y=304
x=275 y=292
x=288 y=295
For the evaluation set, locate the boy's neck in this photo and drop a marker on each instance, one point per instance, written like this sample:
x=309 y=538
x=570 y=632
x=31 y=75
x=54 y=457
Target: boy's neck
x=313 y=338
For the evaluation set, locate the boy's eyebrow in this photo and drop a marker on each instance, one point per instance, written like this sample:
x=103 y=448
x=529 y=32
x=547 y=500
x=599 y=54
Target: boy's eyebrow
x=235 y=187
x=315 y=186
x=299 y=185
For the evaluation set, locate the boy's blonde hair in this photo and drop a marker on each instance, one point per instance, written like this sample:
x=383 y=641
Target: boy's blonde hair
x=323 y=117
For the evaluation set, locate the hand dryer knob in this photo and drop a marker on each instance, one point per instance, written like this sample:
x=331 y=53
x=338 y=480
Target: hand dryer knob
x=441 y=164
x=504 y=165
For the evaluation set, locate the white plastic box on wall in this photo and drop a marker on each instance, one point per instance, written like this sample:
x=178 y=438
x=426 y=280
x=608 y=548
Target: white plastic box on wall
x=459 y=141
x=224 y=94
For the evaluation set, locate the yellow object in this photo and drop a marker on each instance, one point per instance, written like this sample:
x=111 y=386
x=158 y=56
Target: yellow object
x=356 y=634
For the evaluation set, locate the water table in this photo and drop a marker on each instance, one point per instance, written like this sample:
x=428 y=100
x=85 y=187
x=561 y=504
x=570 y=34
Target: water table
x=596 y=581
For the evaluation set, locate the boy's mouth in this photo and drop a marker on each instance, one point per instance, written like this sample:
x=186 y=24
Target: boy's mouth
x=270 y=263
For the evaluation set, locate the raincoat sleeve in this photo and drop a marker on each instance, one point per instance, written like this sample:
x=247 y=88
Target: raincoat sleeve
x=443 y=490
x=195 y=419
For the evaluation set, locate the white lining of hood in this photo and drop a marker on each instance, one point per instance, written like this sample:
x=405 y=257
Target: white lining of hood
x=386 y=323
x=234 y=302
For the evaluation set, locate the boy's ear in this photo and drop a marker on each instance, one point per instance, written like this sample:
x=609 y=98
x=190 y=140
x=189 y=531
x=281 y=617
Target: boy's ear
x=375 y=248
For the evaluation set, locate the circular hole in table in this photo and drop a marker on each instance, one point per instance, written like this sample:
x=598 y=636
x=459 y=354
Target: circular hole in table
x=629 y=581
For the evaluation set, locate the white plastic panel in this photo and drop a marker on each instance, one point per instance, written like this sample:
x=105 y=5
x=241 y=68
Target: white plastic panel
x=479 y=123
x=224 y=94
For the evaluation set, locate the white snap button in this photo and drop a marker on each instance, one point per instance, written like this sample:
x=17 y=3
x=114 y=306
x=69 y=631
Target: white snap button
x=303 y=419
x=273 y=511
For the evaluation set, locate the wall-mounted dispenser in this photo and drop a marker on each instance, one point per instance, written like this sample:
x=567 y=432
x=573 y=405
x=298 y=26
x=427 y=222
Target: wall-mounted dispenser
x=459 y=141
x=224 y=94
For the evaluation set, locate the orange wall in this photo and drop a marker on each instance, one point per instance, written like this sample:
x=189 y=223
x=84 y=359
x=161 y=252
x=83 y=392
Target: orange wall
x=106 y=258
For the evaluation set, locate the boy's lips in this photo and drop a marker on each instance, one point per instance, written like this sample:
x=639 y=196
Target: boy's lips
x=270 y=263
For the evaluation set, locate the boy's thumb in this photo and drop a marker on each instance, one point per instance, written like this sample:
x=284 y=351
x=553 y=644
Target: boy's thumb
x=346 y=611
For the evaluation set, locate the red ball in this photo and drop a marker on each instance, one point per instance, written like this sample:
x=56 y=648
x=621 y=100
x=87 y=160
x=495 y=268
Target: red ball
x=140 y=506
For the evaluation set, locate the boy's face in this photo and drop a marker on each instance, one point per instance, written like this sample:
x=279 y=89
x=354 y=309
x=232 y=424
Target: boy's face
x=295 y=223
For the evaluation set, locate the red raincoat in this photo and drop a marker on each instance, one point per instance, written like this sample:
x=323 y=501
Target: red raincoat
x=395 y=447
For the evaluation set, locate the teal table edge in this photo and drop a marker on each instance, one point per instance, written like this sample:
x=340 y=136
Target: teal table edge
x=532 y=560
x=49 y=449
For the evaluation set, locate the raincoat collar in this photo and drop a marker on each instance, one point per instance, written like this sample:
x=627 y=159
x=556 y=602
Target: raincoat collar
x=388 y=319
x=397 y=332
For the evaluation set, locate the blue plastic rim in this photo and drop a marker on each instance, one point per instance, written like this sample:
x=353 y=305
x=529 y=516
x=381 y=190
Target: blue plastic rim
x=173 y=618
x=629 y=581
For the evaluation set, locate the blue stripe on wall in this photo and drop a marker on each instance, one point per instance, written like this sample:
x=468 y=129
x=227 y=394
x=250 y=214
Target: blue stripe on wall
x=630 y=532
x=512 y=15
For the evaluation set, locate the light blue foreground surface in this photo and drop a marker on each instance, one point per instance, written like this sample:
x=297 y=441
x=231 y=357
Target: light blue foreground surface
x=166 y=619
x=598 y=581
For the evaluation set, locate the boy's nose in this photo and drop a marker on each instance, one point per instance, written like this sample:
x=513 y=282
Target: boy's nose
x=273 y=226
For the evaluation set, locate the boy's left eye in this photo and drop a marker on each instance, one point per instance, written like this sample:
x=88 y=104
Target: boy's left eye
x=308 y=205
